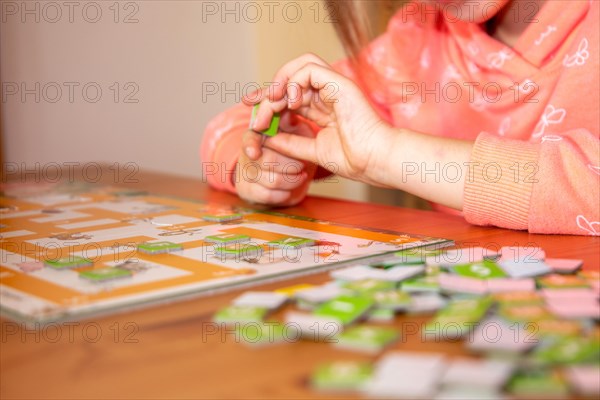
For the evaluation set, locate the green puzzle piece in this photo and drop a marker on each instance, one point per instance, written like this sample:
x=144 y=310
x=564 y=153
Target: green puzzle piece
x=292 y=242
x=158 y=247
x=391 y=299
x=234 y=314
x=570 y=350
x=105 y=274
x=68 y=262
x=221 y=217
x=227 y=238
x=480 y=270
x=367 y=338
x=341 y=375
x=344 y=308
x=273 y=128
x=369 y=286
x=538 y=384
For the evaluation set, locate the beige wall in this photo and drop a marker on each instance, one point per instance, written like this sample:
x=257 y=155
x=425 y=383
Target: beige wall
x=163 y=56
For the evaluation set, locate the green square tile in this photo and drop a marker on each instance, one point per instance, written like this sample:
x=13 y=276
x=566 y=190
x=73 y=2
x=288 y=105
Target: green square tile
x=570 y=350
x=341 y=375
x=294 y=242
x=273 y=127
x=427 y=283
x=458 y=317
x=367 y=338
x=446 y=327
x=558 y=281
x=221 y=217
x=158 y=247
x=368 y=286
x=415 y=256
x=68 y=262
x=518 y=298
x=382 y=315
x=391 y=299
x=538 y=384
x=524 y=312
x=486 y=269
x=233 y=314
x=227 y=238
x=474 y=308
x=344 y=308
x=105 y=274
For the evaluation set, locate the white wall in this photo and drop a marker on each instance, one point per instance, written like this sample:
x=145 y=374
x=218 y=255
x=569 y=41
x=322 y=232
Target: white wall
x=167 y=52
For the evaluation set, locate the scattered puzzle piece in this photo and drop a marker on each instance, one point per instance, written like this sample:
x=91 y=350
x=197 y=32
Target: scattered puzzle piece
x=105 y=274
x=68 y=262
x=158 y=247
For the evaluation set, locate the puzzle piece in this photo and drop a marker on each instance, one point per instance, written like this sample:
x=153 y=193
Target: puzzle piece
x=273 y=127
x=344 y=308
x=292 y=242
x=222 y=217
x=158 y=247
x=341 y=376
x=105 y=274
x=68 y=262
x=233 y=314
x=227 y=238
x=368 y=339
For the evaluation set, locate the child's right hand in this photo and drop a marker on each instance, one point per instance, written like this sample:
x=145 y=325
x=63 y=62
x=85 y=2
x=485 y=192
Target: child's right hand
x=267 y=177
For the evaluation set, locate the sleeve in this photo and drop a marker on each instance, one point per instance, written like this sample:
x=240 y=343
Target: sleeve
x=547 y=187
x=221 y=146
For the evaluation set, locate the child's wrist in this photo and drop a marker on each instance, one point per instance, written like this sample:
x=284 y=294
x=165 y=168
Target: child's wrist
x=384 y=155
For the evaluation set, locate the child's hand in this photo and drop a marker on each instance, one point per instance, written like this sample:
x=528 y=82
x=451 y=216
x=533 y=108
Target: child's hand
x=353 y=140
x=268 y=177
x=272 y=178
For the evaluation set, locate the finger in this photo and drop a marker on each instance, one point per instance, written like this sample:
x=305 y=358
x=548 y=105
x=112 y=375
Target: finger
x=262 y=195
x=255 y=97
x=277 y=162
x=252 y=144
x=281 y=181
x=315 y=115
x=298 y=147
x=295 y=96
x=265 y=113
x=278 y=87
x=328 y=82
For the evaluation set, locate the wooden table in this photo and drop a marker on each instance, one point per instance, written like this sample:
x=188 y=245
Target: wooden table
x=173 y=351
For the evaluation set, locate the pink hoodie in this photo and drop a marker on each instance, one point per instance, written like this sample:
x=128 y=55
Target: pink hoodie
x=532 y=111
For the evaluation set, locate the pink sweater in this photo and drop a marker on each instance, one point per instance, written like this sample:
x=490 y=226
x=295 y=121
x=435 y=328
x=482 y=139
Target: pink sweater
x=532 y=111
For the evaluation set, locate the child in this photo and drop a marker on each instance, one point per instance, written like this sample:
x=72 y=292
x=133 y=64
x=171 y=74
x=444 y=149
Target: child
x=488 y=107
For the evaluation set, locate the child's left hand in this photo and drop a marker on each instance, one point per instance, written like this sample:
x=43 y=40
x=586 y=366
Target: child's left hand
x=353 y=142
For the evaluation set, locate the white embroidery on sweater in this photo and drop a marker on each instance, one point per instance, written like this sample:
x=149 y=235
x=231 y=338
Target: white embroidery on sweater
x=551 y=116
x=580 y=57
x=545 y=34
x=589 y=227
x=497 y=60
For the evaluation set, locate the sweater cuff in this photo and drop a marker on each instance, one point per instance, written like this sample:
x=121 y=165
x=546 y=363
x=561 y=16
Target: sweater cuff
x=500 y=182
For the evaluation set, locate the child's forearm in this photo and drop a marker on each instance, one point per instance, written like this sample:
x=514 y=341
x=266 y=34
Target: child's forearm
x=430 y=167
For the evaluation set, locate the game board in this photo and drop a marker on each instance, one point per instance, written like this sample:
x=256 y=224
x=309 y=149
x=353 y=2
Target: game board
x=69 y=251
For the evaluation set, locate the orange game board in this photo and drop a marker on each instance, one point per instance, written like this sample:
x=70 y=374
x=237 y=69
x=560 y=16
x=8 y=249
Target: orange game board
x=67 y=253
